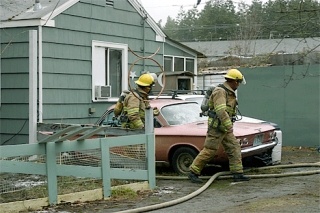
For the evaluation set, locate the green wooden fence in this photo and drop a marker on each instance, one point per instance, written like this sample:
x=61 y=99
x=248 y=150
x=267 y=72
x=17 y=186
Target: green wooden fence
x=131 y=168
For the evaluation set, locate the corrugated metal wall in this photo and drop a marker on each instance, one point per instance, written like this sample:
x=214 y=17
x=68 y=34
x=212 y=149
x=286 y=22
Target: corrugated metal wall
x=286 y=95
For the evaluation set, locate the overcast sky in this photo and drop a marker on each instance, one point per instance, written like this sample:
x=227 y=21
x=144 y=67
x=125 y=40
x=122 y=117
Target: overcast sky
x=161 y=9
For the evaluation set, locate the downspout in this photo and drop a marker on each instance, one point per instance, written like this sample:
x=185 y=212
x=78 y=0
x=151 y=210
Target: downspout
x=40 y=103
x=163 y=54
x=144 y=41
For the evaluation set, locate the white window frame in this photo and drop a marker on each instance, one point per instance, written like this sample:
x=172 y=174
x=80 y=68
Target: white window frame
x=98 y=66
x=184 y=62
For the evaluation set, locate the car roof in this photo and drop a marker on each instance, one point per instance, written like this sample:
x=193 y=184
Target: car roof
x=179 y=97
x=160 y=102
x=184 y=97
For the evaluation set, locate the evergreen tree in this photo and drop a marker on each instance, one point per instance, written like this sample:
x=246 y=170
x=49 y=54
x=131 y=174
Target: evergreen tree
x=219 y=20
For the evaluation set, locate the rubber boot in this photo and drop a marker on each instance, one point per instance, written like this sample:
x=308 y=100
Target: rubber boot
x=240 y=177
x=194 y=178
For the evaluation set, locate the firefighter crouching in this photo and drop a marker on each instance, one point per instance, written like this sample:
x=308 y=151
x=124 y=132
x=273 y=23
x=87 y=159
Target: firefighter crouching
x=222 y=107
x=134 y=105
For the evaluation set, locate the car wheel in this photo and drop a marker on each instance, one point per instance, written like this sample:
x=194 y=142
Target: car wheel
x=182 y=159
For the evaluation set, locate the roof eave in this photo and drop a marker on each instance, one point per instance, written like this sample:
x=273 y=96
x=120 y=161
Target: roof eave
x=27 y=23
x=60 y=9
x=45 y=20
x=185 y=48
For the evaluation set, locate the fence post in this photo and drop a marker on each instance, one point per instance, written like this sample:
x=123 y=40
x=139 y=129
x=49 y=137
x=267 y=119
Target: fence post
x=150 y=147
x=51 y=172
x=105 y=167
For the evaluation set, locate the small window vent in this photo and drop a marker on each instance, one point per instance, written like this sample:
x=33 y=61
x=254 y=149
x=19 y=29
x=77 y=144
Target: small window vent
x=110 y=3
x=102 y=92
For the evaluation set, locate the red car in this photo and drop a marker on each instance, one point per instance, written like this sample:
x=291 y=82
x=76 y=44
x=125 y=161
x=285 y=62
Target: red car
x=180 y=134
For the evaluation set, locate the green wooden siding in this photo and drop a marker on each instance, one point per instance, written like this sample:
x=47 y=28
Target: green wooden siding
x=15 y=80
x=67 y=63
x=14 y=86
x=176 y=52
x=58 y=96
x=14 y=96
x=67 y=55
x=68 y=66
x=20 y=111
x=14 y=65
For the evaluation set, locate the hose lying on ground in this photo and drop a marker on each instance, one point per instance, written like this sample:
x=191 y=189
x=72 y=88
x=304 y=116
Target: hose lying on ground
x=223 y=176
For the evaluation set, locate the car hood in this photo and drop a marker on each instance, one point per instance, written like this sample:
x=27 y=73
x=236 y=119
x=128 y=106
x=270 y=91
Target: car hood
x=200 y=129
x=248 y=128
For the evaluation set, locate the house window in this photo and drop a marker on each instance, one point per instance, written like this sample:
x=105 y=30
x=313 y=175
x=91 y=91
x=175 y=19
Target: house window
x=109 y=70
x=189 y=64
x=168 y=63
x=180 y=64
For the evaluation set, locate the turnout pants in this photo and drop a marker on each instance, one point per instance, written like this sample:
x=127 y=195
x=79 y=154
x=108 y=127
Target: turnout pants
x=213 y=140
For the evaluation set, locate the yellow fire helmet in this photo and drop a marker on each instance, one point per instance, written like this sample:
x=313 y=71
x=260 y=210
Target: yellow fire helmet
x=235 y=75
x=145 y=80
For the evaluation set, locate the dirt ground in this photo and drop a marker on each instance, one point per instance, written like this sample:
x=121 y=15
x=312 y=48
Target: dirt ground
x=294 y=194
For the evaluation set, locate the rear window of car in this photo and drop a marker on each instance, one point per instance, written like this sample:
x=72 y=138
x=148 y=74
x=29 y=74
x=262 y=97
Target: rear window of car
x=197 y=99
x=183 y=113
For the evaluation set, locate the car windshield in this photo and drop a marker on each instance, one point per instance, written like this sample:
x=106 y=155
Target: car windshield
x=183 y=113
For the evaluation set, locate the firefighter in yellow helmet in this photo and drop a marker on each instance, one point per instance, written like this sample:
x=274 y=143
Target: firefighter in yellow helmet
x=222 y=107
x=136 y=102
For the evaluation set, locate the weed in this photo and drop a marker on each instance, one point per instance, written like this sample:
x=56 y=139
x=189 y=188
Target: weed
x=123 y=193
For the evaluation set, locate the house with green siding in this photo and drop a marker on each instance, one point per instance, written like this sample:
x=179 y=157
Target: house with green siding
x=67 y=61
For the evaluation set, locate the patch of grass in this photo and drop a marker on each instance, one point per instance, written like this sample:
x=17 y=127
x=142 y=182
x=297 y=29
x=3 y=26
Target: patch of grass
x=24 y=194
x=66 y=185
x=123 y=193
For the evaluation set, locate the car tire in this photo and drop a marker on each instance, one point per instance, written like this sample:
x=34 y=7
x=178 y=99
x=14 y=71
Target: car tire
x=182 y=158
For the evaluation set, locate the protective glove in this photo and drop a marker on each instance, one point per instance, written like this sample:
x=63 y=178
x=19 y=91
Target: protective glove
x=156 y=111
x=140 y=127
x=123 y=94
